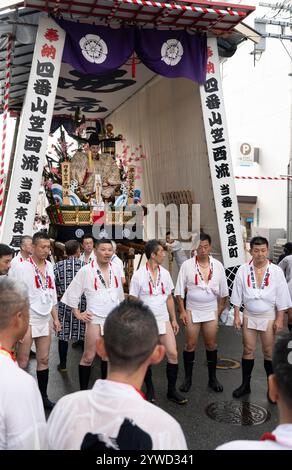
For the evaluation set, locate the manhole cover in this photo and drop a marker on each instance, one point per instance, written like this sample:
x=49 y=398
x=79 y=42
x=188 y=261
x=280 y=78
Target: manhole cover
x=224 y=363
x=237 y=412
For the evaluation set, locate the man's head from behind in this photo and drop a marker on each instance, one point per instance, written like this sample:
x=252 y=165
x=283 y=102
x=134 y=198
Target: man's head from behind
x=131 y=338
x=6 y=254
x=280 y=382
x=14 y=309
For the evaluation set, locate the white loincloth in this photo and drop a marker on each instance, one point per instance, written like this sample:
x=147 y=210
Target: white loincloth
x=202 y=316
x=258 y=321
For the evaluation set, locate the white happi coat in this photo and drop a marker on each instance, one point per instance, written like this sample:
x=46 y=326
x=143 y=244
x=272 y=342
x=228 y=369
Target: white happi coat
x=22 y=417
x=116 y=415
x=41 y=301
x=273 y=297
x=202 y=299
x=283 y=441
x=157 y=300
x=100 y=300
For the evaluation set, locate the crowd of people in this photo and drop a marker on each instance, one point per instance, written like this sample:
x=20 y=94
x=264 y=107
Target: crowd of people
x=83 y=298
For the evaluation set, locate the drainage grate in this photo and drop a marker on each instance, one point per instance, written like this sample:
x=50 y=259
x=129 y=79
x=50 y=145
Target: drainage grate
x=224 y=363
x=241 y=413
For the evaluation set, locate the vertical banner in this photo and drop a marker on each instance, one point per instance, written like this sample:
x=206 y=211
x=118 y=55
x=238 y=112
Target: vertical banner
x=33 y=134
x=220 y=162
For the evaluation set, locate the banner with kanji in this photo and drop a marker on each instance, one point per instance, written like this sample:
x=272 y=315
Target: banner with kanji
x=33 y=133
x=97 y=50
x=220 y=161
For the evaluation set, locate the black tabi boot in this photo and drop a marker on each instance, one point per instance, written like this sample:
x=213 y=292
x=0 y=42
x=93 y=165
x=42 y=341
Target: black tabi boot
x=63 y=349
x=172 y=394
x=84 y=375
x=290 y=326
x=213 y=383
x=43 y=378
x=150 y=394
x=189 y=357
x=269 y=370
x=244 y=389
x=103 y=369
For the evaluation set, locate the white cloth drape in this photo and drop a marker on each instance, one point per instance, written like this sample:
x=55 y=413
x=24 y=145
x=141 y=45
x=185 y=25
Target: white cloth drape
x=165 y=117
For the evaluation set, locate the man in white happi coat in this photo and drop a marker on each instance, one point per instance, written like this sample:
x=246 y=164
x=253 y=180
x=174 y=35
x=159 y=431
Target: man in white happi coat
x=153 y=285
x=280 y=389
x=88 y=249
x=22 y=417
x=38 y=275
x=114 y=415
x=261 y=287
x=119 y=263
x=203 y=282
x=286 y=265
x=23 y=255
x=100 y=282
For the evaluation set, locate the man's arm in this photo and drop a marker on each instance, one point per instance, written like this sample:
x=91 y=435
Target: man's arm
x=172 y=315
x=56 y=322
x=222 y=301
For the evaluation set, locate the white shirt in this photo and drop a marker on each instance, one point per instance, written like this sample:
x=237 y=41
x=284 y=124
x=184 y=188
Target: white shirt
x=100 y=300
x=119 y=263
x=157 y=300
x=286 y=266
x=202 y=296
x=15 y=262
x=282 y=433
x=103 y=410
x=274 y=296
x=41 y=300
x=178 y=253
x=91 y=258
x=22 y=418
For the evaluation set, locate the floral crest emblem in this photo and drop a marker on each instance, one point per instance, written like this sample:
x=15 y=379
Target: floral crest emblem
x=93 y=48
x=172 y=52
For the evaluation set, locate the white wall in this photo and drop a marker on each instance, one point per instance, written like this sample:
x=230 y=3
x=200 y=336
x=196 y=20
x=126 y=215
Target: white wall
x=258 y=106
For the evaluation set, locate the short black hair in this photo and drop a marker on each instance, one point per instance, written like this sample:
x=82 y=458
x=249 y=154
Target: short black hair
x=288 y=248
x=5 y=250
x=102 y=241
x=39 y=236
x=151 y=247
x=130 y=335
x=24 y=238
x=205 y=237
x=256 y=241
x=282 y=366
x=86 y=236
x=167 y=233
x=71 y=247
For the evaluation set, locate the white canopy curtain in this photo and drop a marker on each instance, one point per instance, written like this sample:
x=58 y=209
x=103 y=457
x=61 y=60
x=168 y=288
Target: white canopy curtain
x=165 y=117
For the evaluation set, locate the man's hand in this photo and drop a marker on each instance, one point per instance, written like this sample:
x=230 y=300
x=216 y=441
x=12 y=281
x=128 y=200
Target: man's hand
x=57 y=326
x=184 y=317
x=278 y=325
x=84 y=316
x=237 y=322
x=175 y=326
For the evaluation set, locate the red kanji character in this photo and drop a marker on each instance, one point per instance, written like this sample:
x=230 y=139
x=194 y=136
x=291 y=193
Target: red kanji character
x=52 y=34
x=210 y=52
x=210 y=67
x=48 y=51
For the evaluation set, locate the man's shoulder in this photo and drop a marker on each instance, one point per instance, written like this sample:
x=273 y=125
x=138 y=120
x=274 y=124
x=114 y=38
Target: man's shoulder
x=18 y=379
